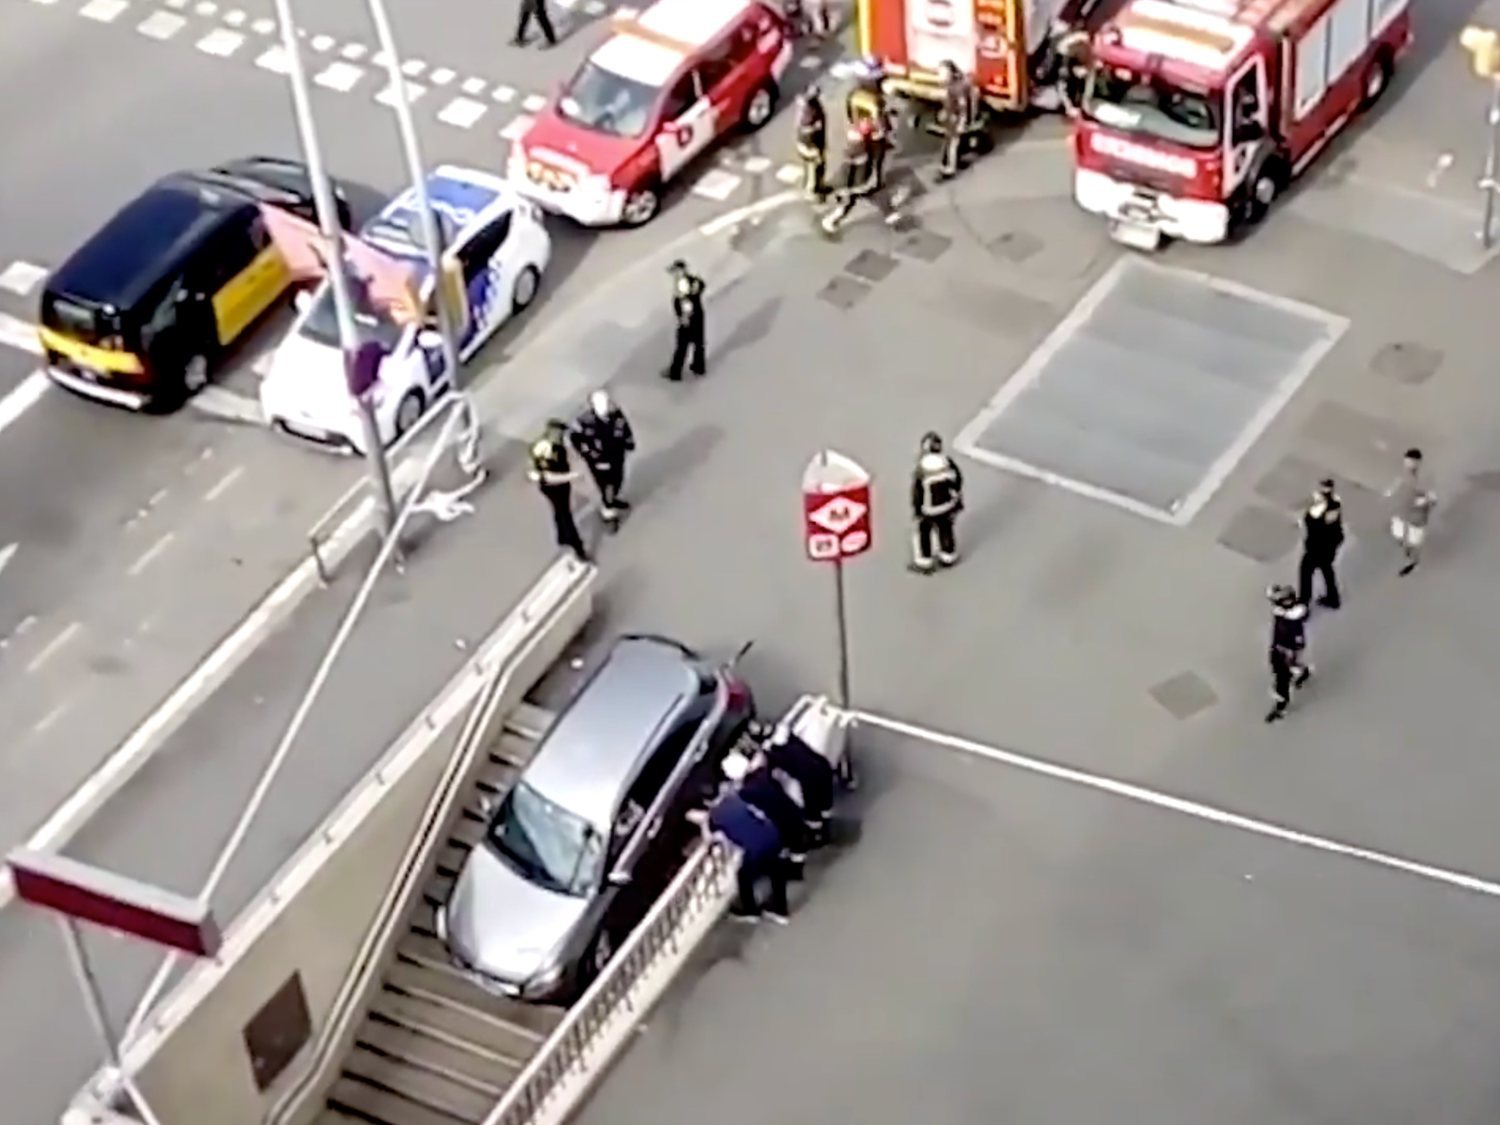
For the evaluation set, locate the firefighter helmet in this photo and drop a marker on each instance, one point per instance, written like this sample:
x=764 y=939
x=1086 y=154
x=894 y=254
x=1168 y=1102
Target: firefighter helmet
x=932 y=442
x=1281 y=595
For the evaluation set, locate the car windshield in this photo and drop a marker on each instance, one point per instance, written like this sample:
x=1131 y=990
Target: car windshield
x=322 y=324
x=1131 y=103
x=601 y=100
x=545 y=844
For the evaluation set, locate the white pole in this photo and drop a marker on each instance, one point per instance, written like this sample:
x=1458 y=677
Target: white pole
x=1487 y=231
x=93 y=997
x=328 y=221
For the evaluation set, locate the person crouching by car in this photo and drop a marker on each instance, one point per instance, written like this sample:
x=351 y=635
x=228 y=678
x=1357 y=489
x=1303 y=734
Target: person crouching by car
x=741 y=824
x=812 y=773
x=758 y=785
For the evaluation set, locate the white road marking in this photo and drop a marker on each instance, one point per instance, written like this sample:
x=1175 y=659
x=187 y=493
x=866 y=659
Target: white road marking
x=103 y=11
x=151 y=554
x=179 y=4
x=263 y=26
x=322 y=44
x=221 y=42
x=789 y=174
x=387 y=96
x=516 y=128
x=206 y=8
x=19 y=334
x=340 y=76
x=276 y=60
x=227 y=406
x=235 y=18
x=504 y=94
x=381 y=60
x=756 y=165
x=533 y=103
x=474 y=86
x=161 y=25
x=716 y=184
x=462 y=112
x=354 y=51
x=26 y=394
x=442 y=76
x=47 y=720
x=8 y=553
x=44 y=3
x=747 y=213
x=1165 y=801
x=54 y=646
x=225 y=483
x=413 y=68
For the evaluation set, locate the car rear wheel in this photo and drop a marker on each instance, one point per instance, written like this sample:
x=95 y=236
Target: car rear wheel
x=760 y=108
x=194 y=376
x=524 y=290
x=641 y=206
x=409 y=411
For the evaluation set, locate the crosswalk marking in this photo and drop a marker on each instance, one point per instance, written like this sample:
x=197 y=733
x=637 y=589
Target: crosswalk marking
x=17 y=333
x=340 y=76
x=206 y=8
x=221 y=42
x=275 y=60
x=387 y=96
x=322 y=43
x=236 y=18
x=413 y=68
x=103 y=11
x=504 y=94
x=263 y=26
x=161 y=25
x=474 y=86
x=21 y=278
x=442 y=76
x=462 y=112
x=354 y=51
x=516 y=129
x=716 y=184
x=533 y=103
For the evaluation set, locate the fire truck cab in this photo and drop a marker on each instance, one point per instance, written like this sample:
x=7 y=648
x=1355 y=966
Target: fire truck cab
x=1198 y=113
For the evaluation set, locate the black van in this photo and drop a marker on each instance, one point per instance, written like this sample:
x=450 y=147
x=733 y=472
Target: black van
x=140 y=314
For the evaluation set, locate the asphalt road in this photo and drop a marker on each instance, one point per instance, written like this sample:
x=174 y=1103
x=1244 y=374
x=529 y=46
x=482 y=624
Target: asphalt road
x=140 y=542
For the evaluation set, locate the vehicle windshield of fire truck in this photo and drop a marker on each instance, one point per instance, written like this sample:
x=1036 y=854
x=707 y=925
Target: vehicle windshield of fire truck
x=601 y=100
x=1122 y=100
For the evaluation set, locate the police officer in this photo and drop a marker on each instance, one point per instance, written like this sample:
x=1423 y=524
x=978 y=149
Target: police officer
x=552 y=470
x=863 y=178
x=687 y=309
x=1322 y=536
x=603 y=438
x=937 y=496
x=957 y=118
x=1288 y=643
x=812 y=144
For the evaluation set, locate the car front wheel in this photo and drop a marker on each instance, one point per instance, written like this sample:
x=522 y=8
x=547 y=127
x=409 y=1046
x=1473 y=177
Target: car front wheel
x=194 y=375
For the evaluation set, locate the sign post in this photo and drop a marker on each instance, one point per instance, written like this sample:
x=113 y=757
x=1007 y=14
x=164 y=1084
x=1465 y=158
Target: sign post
x=836 y=526
x=79 y=892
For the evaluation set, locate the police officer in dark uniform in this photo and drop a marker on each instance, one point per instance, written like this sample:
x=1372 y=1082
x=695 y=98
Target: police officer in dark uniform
x=957 y=117
x=1322 y=536
x=552 y=470
x=812 y=144
x=1288 y=644
x=687 y=309
x=603 y=438
x=937 y=497
x=863 y=178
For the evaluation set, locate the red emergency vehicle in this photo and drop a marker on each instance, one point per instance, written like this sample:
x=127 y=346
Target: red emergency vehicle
x=1198 y=113
x=663 y=88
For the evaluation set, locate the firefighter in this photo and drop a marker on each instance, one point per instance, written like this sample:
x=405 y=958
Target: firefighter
x=867 y=100
x=937 y=497
x=552 y=470
x=812 y=144
x=1288 y=644
x=687 y=311
x=957 y=117
x=863 y=178
x=1322 y=536
x=604 y=439
x=1072 y=45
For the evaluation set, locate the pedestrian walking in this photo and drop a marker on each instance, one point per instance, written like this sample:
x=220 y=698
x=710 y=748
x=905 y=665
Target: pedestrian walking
x=1322 y=536
x=534 y=11
x=937 y=497
x=812 y=144
x=863 y=177
x=751 y=831
x=957 y=117
x=1289 y=671
x=688 y=346
x=1411 y=509
x=603 y=438
x=552 y=470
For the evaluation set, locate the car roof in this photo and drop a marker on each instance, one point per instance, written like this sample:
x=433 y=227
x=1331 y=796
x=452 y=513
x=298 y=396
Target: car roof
x=651 y=48
x=594 y=749
x=465 y=199
x=149 y=238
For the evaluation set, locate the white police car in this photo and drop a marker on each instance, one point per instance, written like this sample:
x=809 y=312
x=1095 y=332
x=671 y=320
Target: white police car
x=496 y=239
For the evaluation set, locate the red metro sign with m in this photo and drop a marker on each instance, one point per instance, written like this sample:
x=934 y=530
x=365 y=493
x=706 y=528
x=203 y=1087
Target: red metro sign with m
x=835 y=508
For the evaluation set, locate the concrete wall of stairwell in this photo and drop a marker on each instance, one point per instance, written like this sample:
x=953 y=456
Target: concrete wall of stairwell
x=191 y=1064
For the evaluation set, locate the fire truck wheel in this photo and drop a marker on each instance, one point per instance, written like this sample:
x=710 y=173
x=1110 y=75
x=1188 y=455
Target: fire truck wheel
x=760 y=108
x=1376 y=79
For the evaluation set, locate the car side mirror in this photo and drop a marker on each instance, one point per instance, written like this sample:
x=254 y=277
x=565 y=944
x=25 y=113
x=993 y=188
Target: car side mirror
x=302 y=301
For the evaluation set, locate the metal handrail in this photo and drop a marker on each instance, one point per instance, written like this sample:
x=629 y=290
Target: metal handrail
x=703 y=881
x=435 y=817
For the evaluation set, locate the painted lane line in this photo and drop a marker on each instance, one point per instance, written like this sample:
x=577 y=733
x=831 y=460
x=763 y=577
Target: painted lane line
x=462 y=113
x=342 y=77
x=221 y=42
x=276 y=60
x=161 y=25
x=322 y=43
x=236 y=18
x=504 y=94
x=54 y=646
x=151 y=554
x=49 y=719
x=533 y=103
x=103 y=11
x=748 y=213
x=7 y=554
x=26 y=395
x=442 y=76
x=516 y=129
x=474 y=86
x=20 y=334
x=381 y=59
x=354 y=51
x=224 y=405
x=225 y=483
x=21 y=278
x=1184 y=807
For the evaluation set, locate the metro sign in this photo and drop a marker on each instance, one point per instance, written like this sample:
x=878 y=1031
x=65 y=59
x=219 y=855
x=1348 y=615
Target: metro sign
x=835 y=508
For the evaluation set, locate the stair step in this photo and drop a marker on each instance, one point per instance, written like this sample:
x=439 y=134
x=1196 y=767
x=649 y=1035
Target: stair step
x=500 y=1041
x=514 y=749
x=421 y=1087
x=529 y=720
x=351 y=1100
x=449 y=987
x=459 y=1063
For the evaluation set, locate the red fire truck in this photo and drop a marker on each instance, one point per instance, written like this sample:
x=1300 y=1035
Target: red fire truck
x=1198 y=113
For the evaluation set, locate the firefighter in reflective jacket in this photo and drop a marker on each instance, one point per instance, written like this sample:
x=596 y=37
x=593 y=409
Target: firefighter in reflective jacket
x=1074 y=57
x=863 y=178
x=1288 y=644
x=552 y=472
x=812 y=144
x=937 y=496
x=958 y=118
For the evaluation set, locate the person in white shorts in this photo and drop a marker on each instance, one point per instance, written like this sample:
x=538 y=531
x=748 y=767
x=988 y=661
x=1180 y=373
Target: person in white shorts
x=1411 y=509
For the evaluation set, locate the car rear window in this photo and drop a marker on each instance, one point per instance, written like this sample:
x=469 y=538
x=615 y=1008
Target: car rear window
x=603 y=101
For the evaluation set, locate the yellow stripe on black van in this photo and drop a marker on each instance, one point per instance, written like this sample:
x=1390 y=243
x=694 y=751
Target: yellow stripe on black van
x=249 y=293
x=86 y=355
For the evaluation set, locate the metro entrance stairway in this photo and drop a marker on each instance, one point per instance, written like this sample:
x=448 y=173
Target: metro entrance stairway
x=434 y=1048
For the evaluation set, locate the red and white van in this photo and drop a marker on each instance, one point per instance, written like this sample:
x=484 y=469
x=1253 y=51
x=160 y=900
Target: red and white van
x=650 y=99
